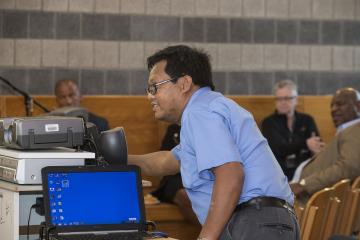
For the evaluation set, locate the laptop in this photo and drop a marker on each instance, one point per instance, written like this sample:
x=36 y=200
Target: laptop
x=83 y=202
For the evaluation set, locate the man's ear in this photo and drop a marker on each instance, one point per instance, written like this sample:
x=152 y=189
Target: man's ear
x=186 y=83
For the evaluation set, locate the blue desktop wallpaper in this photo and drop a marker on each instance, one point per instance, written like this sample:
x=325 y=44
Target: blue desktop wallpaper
x=86 y=198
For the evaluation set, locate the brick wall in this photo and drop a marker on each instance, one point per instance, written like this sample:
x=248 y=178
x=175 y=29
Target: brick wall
x=253 y=43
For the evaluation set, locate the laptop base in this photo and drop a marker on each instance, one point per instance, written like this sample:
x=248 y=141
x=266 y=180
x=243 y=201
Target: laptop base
x=112 y=236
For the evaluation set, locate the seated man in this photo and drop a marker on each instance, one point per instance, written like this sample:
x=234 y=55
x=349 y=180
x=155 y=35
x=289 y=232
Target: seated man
x=341 y=158
x=171 y=189
x=293 y=136
x=68 y=95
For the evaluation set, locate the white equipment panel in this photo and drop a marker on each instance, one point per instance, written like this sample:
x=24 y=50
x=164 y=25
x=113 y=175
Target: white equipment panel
x=24 y=166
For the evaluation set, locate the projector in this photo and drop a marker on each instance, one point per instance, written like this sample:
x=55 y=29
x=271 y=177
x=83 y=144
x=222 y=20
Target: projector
x=41 y=132
x=70 y=112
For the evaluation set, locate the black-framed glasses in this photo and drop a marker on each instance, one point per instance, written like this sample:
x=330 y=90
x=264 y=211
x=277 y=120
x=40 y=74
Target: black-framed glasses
x=286 y=99
x=152 y=89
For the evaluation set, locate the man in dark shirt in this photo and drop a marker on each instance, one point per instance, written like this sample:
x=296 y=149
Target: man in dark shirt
x=68 y=95
x=293 y=137
x=171 y=189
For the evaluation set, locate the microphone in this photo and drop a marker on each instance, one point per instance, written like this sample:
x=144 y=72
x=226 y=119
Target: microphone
x=28 y=100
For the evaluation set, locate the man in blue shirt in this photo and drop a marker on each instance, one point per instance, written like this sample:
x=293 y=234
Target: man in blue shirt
x=236 y=187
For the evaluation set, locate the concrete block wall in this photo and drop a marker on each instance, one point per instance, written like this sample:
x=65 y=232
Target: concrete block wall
x=253 y=43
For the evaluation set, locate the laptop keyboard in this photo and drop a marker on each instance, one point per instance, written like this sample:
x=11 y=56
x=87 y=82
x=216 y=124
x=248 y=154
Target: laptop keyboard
x=113 y=236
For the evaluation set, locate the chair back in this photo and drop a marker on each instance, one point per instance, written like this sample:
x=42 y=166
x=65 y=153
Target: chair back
x=352 y=213
x=341 y=187
x=319 y=215
x=299 y=211
x=342 y=190
x=356 y=183
x=331 y=219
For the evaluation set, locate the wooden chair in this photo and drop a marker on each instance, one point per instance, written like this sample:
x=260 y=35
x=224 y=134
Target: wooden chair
x=299 y=211
x=350 y=208
x=332 y=216
x=352 y=213
x=319 y=215
x=342 y=190
x=356 y=183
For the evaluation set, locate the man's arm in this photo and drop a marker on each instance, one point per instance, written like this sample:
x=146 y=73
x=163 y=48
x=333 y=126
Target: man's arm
x=229 y=179
x=156 y=164
x=346 y=164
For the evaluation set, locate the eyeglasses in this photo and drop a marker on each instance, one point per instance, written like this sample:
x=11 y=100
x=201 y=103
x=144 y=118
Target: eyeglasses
x=152 y=89
x=286 y=99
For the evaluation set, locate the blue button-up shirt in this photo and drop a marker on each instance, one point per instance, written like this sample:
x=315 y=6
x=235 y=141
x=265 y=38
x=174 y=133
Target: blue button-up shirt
x=215 y=130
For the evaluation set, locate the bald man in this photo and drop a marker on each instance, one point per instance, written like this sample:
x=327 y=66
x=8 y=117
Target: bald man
x=341 y=158
x=68 y=95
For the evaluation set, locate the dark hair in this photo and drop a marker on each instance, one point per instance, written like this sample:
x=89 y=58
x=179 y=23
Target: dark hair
x=182 y=60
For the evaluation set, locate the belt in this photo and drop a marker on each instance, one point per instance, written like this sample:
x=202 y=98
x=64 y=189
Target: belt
x=260 y=202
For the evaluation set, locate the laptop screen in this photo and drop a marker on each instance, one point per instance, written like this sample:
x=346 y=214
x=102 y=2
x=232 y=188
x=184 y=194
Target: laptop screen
x=93 y=197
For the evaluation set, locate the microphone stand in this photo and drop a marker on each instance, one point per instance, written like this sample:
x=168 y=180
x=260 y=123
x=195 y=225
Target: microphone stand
x=28 y=100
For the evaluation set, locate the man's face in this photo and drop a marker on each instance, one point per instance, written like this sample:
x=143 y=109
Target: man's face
x=165 y=102
x=285 y=101
x=344 y=107
x=68 y=95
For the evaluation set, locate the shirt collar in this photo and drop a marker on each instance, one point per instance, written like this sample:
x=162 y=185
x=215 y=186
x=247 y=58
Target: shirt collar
x=194 y=96
x=197 y=93
x=347 y=124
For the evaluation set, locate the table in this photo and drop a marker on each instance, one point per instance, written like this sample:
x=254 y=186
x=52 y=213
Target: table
x=15 y=202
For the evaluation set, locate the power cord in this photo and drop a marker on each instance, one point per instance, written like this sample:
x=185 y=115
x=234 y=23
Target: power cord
x=41 y=230
x=44 y=231
x=152 y=232
x=101 y=162
x=28 y=223
x=92 y=145
x=48 y=230
x=150 y=226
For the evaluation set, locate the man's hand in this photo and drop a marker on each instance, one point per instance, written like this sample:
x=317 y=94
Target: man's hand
x=315 y=144
x=297 y=189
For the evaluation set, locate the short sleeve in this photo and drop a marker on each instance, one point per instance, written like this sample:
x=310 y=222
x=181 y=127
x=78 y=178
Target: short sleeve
x=176 y=152
x=212 y=140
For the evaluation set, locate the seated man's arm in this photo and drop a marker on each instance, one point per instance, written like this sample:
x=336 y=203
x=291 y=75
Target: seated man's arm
x=156 y=164
x=347 y=164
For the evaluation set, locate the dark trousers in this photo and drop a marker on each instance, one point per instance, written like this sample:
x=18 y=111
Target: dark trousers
x=270 y=223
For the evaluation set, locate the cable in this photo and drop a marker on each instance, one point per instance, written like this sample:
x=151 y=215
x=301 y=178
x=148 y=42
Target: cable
x=91 y=141
x=101 y=162
x=41 y=230
x=28 y=223
x=150 y=226
x=48 y=230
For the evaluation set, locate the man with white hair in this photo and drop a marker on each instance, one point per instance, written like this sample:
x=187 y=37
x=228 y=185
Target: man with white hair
x=341 y=158
x=293 y=136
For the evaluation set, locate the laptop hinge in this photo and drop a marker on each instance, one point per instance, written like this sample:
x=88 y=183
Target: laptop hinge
x=97 y=232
